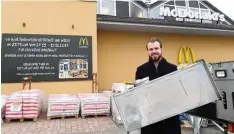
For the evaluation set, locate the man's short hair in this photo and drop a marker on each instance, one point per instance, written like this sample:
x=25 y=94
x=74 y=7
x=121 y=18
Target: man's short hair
x=152 y=40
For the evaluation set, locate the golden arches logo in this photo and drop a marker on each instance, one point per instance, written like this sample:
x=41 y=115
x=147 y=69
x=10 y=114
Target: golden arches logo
x=186 y=52
x=83 y=41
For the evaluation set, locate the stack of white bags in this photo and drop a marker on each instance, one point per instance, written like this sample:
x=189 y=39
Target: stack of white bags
x=63 y=105
x=24 y=104
x=94 y=104
x=3 y=103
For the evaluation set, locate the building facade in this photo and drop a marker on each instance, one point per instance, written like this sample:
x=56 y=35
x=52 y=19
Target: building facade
x=120 y=30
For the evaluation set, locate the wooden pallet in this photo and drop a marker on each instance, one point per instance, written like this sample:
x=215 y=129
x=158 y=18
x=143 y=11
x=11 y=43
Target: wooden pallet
x=95 y=116
x=20 y=120
x=62 y=117
x=186 y=125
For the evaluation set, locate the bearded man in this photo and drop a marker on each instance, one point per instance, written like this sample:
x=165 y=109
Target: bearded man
x=156 y=67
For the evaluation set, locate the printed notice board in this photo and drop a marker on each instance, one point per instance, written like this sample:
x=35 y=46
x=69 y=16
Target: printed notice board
x=46 y=57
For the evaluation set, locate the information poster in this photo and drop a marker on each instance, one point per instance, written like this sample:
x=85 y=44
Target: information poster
x=46 y=57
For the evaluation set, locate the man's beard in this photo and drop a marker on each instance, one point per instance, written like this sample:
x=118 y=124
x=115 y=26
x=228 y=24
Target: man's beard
x=155 y=60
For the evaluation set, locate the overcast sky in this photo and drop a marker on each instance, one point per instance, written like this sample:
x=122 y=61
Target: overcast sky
x=226 y=6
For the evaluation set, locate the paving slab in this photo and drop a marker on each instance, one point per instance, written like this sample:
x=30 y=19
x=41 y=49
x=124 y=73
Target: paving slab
x=89 y=125
x=68 y=125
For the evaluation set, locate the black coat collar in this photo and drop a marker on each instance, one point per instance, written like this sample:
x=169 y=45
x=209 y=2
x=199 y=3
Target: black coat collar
x=154 y=72
x=162 y=61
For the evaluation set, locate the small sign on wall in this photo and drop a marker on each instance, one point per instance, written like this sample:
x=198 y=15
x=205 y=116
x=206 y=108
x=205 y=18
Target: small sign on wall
x=46 y=57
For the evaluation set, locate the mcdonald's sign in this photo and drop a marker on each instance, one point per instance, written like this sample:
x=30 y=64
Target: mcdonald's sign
x=186 y=52
x=83 y=41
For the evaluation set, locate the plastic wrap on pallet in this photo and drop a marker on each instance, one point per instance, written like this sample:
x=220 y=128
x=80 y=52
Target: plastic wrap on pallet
x=24 y=104
x=63 y=105
x=121 y=87
x=3 y=105
x=107 y=93
x=118 y=87
x=94 y=104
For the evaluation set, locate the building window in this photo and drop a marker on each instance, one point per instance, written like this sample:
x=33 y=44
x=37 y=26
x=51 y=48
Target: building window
x=98 y=7
x=122 y=8
x=171 y=7
x=193 y=3
x=171 y=3
x=107 y=7
x=155 y=13
x=135 y=11
x=202 y=6
x=180 y=3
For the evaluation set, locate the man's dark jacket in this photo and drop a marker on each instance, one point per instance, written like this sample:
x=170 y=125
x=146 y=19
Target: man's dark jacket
x=148 y=69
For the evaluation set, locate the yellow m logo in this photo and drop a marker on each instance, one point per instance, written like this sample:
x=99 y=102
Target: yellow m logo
x=83 y=41
x=186 y=52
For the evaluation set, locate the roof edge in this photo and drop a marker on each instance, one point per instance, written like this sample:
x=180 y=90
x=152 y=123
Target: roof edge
x=126 y=26
x=151 y=21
